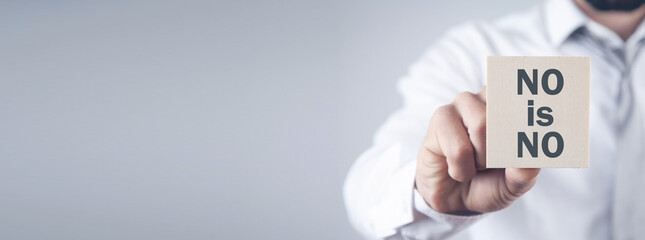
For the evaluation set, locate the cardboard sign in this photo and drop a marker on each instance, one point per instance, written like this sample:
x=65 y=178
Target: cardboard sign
x=537 y=112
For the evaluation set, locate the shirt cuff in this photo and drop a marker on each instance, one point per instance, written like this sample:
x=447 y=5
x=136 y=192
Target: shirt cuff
x=439 y=225
x=421 y=206
x=395 y=208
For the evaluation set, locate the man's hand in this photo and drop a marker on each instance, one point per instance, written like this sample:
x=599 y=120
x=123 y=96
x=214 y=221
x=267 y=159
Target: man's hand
x=451 y=170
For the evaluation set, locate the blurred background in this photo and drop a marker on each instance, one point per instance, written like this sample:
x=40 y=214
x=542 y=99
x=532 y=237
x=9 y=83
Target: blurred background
x=199 y=119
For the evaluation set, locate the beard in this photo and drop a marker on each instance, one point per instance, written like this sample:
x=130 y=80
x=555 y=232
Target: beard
x=616 y=5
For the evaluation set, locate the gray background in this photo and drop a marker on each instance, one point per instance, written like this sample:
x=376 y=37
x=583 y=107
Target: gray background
x=199 y=119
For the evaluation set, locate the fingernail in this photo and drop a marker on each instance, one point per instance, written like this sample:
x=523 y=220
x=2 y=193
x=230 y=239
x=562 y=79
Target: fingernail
x=521 y=183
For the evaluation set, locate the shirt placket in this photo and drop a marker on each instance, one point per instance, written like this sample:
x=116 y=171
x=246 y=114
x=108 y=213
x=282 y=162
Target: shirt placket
x=628 y=212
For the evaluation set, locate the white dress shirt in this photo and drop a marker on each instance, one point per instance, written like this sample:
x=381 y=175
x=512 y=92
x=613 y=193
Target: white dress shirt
x=605 y=201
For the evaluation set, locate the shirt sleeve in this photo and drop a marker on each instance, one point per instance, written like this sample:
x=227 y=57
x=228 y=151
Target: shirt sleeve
x=379 y=189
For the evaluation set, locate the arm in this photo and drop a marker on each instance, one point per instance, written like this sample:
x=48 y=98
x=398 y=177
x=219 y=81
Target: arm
x=380 y=192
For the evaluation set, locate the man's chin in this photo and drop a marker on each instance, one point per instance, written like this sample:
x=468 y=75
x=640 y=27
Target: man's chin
x=616 y=5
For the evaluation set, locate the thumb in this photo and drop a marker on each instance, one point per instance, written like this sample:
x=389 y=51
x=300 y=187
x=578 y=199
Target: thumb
x=482 y=94
x=520 y=180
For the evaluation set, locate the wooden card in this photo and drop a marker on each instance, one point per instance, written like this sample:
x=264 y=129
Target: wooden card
x=537 y=112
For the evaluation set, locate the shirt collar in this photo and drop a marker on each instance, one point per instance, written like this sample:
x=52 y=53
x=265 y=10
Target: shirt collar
x=562 y=18
x=639 y=34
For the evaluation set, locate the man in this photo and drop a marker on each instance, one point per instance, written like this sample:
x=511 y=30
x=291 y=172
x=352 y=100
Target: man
x=425 y=176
